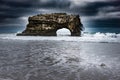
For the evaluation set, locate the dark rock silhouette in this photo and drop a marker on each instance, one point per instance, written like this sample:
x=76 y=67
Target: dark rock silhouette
x=48 y=24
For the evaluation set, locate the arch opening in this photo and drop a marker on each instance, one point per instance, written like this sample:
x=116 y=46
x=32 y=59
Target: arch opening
x=63 y=32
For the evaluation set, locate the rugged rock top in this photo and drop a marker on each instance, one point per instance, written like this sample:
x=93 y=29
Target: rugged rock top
x=48 y=24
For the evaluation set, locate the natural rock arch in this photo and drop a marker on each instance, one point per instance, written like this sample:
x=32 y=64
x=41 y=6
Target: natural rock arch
x=63 y=32
x=48 y=24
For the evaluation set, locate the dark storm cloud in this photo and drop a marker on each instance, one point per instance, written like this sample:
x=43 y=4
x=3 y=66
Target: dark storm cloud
x=92 y=8
x=36 y=4
x=13 y=11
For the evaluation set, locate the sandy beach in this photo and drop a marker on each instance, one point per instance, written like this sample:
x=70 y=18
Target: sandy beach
x=58 y=60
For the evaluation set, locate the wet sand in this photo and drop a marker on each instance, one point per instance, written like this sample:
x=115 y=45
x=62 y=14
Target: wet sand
x=59 y=60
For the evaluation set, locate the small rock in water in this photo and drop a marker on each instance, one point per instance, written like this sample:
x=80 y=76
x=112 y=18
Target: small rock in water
x=102 y=65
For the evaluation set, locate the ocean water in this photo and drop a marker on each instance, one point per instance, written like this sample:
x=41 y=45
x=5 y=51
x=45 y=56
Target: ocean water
x=90 y=57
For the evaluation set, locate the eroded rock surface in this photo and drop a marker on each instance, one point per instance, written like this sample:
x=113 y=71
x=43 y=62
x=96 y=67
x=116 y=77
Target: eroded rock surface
x=48 y=24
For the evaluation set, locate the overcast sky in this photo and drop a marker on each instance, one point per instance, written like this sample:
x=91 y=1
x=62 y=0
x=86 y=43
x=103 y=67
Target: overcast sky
x=93 y=13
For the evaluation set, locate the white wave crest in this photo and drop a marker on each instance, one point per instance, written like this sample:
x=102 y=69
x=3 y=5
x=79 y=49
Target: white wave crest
x=86 y=37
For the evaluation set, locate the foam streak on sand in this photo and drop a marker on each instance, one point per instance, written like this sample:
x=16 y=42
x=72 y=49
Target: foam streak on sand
x=97 y=37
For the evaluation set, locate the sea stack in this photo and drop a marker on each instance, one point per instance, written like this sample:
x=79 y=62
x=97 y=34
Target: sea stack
x=48 y=24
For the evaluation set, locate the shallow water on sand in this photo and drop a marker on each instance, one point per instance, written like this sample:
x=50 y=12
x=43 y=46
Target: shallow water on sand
x=58 y=60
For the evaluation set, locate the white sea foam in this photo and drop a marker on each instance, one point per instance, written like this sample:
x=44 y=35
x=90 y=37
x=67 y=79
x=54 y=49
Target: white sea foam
x=86 y=37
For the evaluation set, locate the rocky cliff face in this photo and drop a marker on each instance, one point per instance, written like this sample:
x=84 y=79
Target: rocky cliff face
x=48 y=24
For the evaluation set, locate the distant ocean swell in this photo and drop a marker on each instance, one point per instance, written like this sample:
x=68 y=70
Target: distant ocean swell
x=86 y=37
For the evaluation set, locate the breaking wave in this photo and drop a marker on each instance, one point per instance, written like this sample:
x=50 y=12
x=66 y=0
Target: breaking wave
x=86 y=37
